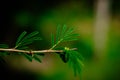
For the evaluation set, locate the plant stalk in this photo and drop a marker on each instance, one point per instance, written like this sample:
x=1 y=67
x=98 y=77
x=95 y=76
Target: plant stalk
x=34 y=51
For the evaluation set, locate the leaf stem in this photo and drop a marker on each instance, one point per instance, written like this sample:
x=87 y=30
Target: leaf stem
x=17 y=45
x=34 y=51
x=55 y=44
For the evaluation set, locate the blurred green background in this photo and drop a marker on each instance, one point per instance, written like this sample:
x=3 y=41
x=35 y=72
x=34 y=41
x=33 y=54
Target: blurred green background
x=97 y=22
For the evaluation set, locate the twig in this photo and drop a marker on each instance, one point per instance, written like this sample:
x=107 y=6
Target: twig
x=34 y=51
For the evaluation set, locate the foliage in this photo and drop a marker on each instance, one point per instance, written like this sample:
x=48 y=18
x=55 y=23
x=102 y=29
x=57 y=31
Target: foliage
x=63 y=34
x=23 y=40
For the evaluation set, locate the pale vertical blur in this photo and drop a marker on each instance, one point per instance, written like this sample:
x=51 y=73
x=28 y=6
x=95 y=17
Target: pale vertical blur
x=101 y=27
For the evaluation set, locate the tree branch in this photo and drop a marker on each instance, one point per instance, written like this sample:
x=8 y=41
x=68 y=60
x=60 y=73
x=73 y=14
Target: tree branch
x=34 y=51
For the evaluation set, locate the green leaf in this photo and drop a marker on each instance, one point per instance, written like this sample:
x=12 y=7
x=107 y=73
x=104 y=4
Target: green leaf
x=20 y=37
x=29 y=57
x=26 y=40
x=4 y=46
x=52 y=39
x=37 y=58
x=70 y=36
x=69 y=31
x=64 y=34
x=31 y=35
x=77 y=67
x=63 y=30
x=75 y=61
x=29 y=41
x=77 y=55
x=58 y=33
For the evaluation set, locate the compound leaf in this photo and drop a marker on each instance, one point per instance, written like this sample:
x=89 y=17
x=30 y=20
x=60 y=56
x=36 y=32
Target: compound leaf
x=4 y=46
x=75 y=61
x=31 y=35
x=58 y=33
x=37 y=58
x=20 y=37
x=29 y=57
x=64 y=34
x=26 y=40
x=52 y=39
x=29 y=41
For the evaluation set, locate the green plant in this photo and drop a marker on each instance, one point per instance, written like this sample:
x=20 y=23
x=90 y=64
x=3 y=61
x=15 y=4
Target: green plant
x=63 y=34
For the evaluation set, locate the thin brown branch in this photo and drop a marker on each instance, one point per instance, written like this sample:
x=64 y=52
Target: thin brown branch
x=33 y=51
